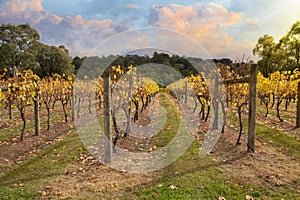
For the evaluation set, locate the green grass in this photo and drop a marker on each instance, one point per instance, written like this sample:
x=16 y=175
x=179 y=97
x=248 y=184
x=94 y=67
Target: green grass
x=198 y=178
x=205 y=181
x=279 y=140
x=284 y=115
x=37 y=171
x=171 y=125
x=274 y=137
x=201 y=178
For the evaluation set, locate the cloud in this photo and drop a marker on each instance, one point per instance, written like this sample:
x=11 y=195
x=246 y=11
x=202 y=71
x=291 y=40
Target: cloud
x=30 y=11
x=270 y=18
x=178 y=16
x=220 y=27
x=131 y=6
x=204 y=22
x=78 y=34
x=21 y=5
x=250 y=25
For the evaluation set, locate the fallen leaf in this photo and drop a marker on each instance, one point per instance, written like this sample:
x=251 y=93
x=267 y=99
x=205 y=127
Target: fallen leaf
x=90 y=158
x=278 y=183
x=43 y=193
x=94 y=176
x=48 y=187
x=248 y=197
x=173 y=187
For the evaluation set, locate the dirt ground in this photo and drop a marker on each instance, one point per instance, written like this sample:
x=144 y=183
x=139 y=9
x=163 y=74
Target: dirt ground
x=89 y=178
x=13 y=151
x=268 y=167
x=288 y=126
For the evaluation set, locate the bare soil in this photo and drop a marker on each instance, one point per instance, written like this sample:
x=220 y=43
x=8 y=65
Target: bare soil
x=13 y=151
x=268 y=167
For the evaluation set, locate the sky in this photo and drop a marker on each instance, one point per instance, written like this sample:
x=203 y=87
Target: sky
x=224 y=28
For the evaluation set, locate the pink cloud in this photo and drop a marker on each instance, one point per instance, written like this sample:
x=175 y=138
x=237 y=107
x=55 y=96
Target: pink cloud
x=78 y=34
x=204 y=22
x=131 y=6
x=21 y=5
x=250 y=25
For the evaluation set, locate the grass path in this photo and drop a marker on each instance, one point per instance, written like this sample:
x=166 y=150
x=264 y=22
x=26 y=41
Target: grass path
x=201 y=178
x=24 y=180
x=272 y=136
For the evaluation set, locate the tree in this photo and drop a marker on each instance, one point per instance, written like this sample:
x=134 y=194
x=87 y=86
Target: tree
x=156 y=58
x=53 y=60
x=290 y=45
x=77 y=62
x=283 y=56
x=265 y=49
x=17 y=45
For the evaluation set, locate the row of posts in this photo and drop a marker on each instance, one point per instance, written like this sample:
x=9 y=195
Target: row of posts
x=107 y=113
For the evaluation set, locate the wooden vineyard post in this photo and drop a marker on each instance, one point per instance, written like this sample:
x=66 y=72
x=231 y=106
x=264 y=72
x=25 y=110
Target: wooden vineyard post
x=36 y=111
x=107 y=117
x=128 y=130
x=252 y=108
x=215 y=103
x=186 y=92
x=298 y=108
x=73 y=102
